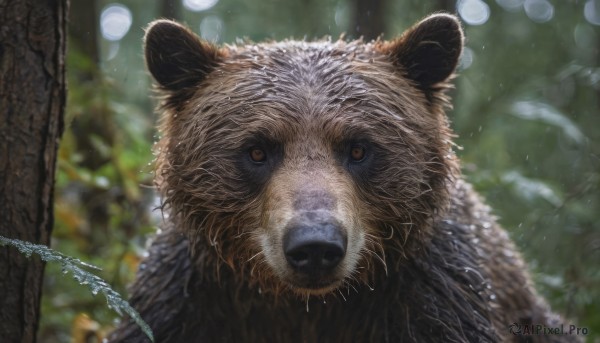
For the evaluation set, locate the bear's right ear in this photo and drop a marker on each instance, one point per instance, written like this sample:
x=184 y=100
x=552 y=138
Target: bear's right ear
x=176 y=57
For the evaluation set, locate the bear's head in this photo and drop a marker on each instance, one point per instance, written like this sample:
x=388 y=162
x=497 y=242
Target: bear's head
x=306 y=165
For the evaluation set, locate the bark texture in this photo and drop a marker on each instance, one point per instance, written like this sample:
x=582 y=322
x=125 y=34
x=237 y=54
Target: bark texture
x=170 y=9
x=368 y=18
x=32 y=101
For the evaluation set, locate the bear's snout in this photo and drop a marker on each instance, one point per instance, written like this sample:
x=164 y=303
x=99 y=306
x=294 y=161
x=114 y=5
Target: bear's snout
x=310 y=240
x=313 y=248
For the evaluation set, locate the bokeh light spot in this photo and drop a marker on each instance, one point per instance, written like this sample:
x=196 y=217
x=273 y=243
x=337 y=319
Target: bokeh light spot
x=115 y=22
x=342 y=15
x=591 y=12
x=199 y=5
x=473 y=12
x=584 y=36
x=540 y=11
x=511 y=5
x=466 y=59
x=211 y=28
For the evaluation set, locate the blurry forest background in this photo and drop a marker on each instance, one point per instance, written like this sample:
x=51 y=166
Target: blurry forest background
x=526 y=114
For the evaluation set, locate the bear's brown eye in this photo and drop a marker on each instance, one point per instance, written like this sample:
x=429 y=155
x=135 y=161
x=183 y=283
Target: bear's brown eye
x=357 y=153
x=257 y=155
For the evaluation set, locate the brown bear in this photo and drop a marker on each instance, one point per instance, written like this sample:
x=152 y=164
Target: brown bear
x=311 y=194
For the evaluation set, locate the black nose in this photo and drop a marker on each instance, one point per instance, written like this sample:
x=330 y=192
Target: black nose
x=314 y=248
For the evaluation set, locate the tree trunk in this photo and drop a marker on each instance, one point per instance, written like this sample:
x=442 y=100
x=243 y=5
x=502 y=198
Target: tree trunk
x=170 y=9
x=447 y=5
x=369 y=18
x=83 y=34
x=32 y=101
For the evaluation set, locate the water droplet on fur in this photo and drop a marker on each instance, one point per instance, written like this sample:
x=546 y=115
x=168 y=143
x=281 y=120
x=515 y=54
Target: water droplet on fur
x=259 y=290
x=492 y=296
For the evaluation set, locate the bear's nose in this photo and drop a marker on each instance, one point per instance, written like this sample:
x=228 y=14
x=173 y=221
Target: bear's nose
x=315 y=248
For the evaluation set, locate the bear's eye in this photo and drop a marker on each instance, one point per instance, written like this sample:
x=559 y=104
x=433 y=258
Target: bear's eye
x=257 y=155
x=357 y=153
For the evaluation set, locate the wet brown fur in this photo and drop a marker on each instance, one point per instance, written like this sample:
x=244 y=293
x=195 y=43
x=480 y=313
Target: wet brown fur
x=434 y=265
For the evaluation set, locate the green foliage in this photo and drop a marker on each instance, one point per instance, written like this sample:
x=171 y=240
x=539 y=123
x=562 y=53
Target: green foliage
x=526 y=113
x=72 y=265
x=103 y=197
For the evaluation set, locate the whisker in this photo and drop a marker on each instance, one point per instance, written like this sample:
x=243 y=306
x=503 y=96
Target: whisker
x=307 y=298
x=382 y=260
x=351 y=285
x=250 y=259
x=391 y=232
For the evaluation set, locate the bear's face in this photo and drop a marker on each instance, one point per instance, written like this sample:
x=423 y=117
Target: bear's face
x=305 y=164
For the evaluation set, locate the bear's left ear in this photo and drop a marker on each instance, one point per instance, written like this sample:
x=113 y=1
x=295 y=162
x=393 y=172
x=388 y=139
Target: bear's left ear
x=429 y=51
